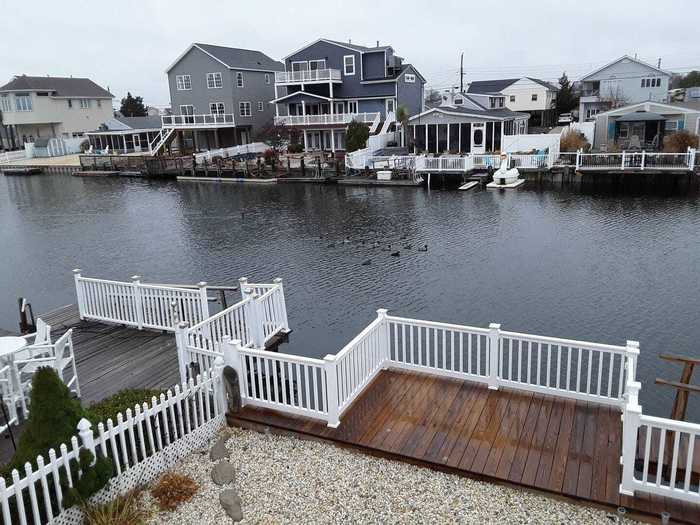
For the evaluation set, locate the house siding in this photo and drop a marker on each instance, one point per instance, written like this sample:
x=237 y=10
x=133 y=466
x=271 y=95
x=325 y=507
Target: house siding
x=373 y=65
x=410 y=95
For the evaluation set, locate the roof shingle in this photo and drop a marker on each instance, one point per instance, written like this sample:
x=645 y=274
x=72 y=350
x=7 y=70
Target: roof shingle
x=60 y=86
x=242 y=58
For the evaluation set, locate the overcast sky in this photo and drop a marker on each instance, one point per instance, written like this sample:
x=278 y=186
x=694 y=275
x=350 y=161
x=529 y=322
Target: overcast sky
x=127 y=45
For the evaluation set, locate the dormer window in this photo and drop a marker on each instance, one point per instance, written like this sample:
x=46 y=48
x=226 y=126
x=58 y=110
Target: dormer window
x=493 y=102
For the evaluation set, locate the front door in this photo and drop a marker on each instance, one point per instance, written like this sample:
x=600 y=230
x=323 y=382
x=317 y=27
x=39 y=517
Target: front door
x=478 y=142
x=244 y=137
x=390 y=106
x=137 y=142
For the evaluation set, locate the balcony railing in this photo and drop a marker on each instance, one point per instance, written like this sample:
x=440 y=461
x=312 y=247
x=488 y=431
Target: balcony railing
x=224 y=120
x=338 y=118
x=313 y=75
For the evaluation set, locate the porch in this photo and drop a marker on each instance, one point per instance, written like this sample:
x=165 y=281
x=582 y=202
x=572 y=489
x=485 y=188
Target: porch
x=639 y=130
x=456 y=137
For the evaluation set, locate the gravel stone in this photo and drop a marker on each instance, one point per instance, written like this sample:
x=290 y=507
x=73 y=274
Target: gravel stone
x=219 y=450
x=223 y=473
x=284 y=479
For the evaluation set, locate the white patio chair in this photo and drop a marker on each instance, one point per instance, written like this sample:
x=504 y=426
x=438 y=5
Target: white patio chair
x=39 y=342
x=60 y=358
x=635 y=142
x=9 y=396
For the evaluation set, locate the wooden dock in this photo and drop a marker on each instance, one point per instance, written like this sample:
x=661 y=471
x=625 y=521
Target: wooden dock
x=564 y=447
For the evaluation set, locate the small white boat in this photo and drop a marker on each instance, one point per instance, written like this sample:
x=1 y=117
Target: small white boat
x=504 y=177
x=469 y=185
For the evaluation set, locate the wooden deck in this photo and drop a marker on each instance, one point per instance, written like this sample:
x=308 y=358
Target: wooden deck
x=564 y=447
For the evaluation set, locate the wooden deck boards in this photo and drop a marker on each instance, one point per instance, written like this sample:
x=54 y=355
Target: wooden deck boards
x=565 y=447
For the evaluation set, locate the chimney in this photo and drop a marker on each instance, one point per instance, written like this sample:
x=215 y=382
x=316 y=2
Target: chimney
x=377 y=43
x=659 y=64
x=349 y=40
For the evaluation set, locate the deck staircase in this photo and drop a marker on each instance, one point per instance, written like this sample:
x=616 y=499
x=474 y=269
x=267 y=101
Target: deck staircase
x=390 y=119
x=165 y=136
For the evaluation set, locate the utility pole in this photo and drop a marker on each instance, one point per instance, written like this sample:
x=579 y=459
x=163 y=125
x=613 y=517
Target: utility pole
x=461 y=73
x=658 y=66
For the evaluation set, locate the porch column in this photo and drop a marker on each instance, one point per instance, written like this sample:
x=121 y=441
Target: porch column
x=303 y=113
x=459 y=137
x=194 y=140
x=306 y=144
x=216 y=138
x=333 y=140
x=448 y=137
x=124 y=141
x=277 y=107
x=414 y=140
x=427 y=149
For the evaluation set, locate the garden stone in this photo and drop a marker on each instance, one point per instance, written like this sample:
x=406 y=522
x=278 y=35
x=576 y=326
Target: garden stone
x=231 y=502
x=219 y=450
x=223 y=473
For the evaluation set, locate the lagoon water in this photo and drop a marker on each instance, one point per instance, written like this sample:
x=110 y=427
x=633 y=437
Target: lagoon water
x=598 y=267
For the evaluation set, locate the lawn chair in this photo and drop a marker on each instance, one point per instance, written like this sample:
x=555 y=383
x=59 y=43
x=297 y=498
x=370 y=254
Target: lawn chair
x=60 y=357
x=9 y=396
x=39 y=342
x=634 y=142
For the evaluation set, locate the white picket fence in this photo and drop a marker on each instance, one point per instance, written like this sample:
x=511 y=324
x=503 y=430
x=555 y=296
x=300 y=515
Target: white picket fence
x=140 y=305
x=635 y=160
x=142 y=443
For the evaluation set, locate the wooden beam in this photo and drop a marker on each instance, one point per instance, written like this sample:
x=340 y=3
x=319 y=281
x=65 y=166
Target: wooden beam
x=680 y=359
x=681 y=386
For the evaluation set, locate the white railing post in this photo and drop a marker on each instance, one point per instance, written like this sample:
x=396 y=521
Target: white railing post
x=385 y=337
x=631 y=416
x=232 y=357
x=331 y=370
x=622 y=166
x=243 y=286
x=203 y=300
x=79 y=293
x=494 y=350
x=217 y=376
x=632 y=351
x=282 y=305
x=578 y=159
x=87 y=438
x=138 y=301
x=181 y=343
x=255 y=319
x=691 y=158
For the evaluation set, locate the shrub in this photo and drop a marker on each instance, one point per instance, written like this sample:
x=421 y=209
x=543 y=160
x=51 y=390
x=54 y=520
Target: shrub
x=93 y=477
x=52 y=420
x=356 y=136
x=122 y=510
x=109 y=407
x=270 y=155
x=295 y=148
x=573 y=141
x=173 y=489
x=680 y=141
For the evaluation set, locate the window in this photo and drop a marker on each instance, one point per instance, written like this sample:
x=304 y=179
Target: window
x=624 y=131
x=84 y=103
x=99 y=103
x=239 y=79
x=214 y=80
x=349 y=64
x=70 y=103
x=217 y=108
x=244 y=109
x=261 y=107
x=42 y=94
x=512 y=98
x=459 y=101
x=409 y=78
x=317 y=64
x=5 y=103
x=671 y=125
x=534 y=97
x=501 y=101
x=267 y=78
x=493 y=102
x=23 y=102
x=352 y=106
x=183 y=82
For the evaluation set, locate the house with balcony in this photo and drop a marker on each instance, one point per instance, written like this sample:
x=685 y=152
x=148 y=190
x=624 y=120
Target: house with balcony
x=465 y=123
x=51 y=107
x=529 y=95
x=219 y=97
x=327 y=84
x=622 y=82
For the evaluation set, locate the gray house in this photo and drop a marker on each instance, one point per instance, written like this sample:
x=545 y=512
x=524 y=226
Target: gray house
x=622 y=82
x=328 y=84
x=219 y=96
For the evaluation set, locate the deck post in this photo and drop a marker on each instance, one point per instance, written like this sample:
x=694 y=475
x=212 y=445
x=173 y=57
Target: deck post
x=218 y=384
x=255 y=319
x=643 y=157
x=87 y=438
x=282 y=305
x=632 y=351
x=631 y=416
x=622 y=166
x=79 y=293
x=243 y=285
x=494 y=350
x=203 y=300
x=232 y=357
x=578 y=159
x=181 y=343
x=138 y=301
x=385 y=341
x=691 y=158
x=331 y=370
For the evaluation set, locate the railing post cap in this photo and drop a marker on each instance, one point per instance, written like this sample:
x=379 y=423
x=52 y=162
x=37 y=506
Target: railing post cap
x=495 y=326
x=182 y=325
x=226 y=339
x=84 y=425
x=219 y=362
x=329 y=358
x=243 y=280
x=236 y=342
x=202 y=284
x=381 y=312
x=634 y=344
x=277 y=280
x=135 y=277
x=77 y=271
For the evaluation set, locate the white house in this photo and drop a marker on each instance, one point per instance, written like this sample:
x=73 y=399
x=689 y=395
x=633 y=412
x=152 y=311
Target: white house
x=48 y=107
x=526 y=94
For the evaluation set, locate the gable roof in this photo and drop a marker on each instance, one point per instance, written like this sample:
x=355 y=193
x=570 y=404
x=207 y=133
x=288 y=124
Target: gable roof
x=490 y=86
x=626 y=109
x=548 y=85
x=627 y=57
x=59 y=86
x=346 y=45
x=406 y=67
x=235 y=58
x=148 y=122
x=498 y=114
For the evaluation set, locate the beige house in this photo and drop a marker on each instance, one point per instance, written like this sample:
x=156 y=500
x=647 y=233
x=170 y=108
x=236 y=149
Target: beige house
x=47 y=107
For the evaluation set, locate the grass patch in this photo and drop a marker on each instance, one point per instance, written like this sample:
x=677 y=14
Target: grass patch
x=122 y=510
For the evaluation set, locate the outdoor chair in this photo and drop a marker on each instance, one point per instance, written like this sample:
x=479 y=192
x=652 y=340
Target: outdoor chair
x=634 y=142
x=39 y=342
x=9 y=396
x=60 y=357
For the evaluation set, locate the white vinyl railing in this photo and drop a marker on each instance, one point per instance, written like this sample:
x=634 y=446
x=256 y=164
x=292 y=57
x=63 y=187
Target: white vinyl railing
x=244 y=149
x=141 y=444
x=11 y=156
x=337 y=118
x=199 y=121
x=635 y=160
x=140 y=305
x=312 y=75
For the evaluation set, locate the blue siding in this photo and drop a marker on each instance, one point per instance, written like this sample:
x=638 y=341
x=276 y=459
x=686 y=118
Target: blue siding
x=410 y=95
x=373 y=65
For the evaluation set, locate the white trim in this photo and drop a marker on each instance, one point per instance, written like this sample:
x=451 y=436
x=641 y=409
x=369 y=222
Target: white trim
x=229 y=66
x=582 y=79
x=345 y=66
x=250 y=109
x=261 y=106
x=177 y=82
x=217 y=112
x=515 y=116
x=407 y=81
x=357 y=107
x=327 y=42
x=242 y=83
x=280 y=99
x=626 y=109
x=382 y=81
x=221 y=80
x=267 y=79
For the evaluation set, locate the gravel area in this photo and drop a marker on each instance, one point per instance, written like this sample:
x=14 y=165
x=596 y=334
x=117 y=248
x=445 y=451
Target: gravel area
x=289 y=480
